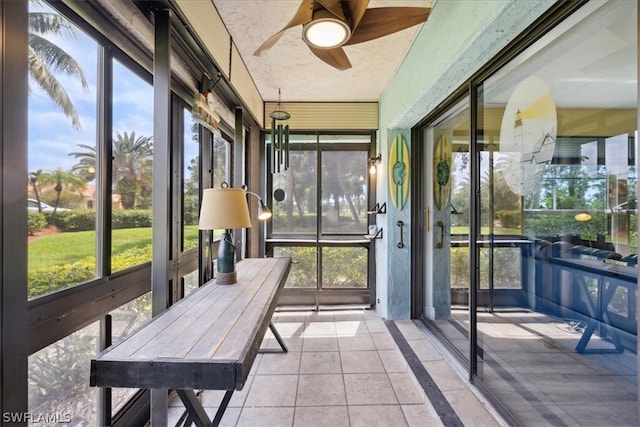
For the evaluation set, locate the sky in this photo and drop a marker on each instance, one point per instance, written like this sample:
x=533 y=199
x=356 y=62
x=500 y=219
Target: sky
x=51 y=134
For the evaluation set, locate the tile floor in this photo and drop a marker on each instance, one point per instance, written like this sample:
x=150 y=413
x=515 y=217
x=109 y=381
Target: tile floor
x=343 y=368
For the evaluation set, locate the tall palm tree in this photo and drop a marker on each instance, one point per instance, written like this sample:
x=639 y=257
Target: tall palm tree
x=132 y=157
x=62 y=180
x=46 y=58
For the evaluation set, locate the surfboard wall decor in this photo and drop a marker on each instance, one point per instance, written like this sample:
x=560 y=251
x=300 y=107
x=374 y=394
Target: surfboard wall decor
x=442 y=173
x=399 y=172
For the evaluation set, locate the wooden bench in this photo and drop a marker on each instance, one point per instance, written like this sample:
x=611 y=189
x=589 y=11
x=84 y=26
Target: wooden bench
x=208 y=340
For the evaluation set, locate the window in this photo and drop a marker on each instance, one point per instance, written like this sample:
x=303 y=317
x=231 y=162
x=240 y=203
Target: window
x=62 y=124
x=132 y=167
x=190 y=182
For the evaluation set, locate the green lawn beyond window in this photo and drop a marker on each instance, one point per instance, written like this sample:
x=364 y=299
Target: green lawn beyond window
x=66 y=259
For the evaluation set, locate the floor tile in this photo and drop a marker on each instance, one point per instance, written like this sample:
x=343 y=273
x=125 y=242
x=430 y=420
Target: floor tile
x=369 y=389
x=377 y=416
x=320 y=362
x=393 y=360
x=266 y=417
x=444 y=375
x=279 y=363
x=292 y=343
x=230 y=417
x=469 y=409
x=272 y=390
x=356 y=342
x=376 y=326
x=424 y=350
x=383 y=341
x=409 y=330
x=421 y=416
x=361 y=362
x=319 y=329
x=321 y=416
x=405 y=388
x=347 y=328
x=321 y=390
x=320 y=343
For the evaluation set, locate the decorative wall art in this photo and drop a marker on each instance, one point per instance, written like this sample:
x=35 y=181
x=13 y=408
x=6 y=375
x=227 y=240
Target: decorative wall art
x=442 y=173
x=527 y=135
x=399 y=172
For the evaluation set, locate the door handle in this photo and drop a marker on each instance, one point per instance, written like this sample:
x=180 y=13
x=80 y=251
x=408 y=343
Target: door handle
x=440 y=244
x=400 y=243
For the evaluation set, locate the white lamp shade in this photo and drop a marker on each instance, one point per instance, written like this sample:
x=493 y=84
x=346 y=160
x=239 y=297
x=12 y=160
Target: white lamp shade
x=224 y=208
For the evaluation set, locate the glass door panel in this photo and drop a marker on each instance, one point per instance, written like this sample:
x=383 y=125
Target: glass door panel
x=557 y=242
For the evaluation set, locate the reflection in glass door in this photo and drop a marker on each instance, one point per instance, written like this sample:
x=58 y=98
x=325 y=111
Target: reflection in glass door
x=447 y=289
x=320 y=218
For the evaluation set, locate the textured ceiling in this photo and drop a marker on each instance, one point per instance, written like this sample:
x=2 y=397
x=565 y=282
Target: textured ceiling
x=300 y=75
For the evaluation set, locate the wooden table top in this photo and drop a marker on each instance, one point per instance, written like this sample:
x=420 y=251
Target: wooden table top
x=207 y=340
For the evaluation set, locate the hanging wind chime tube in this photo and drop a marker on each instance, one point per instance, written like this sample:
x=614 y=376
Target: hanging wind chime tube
x=279 y=138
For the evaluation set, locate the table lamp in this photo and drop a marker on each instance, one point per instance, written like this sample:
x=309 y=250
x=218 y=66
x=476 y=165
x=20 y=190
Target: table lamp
x=224 y=208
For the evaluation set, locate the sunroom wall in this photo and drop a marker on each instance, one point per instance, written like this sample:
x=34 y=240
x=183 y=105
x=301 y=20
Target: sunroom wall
x=455 y=42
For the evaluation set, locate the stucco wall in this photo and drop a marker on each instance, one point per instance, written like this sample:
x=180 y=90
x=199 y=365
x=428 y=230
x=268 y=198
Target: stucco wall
x=459 y=37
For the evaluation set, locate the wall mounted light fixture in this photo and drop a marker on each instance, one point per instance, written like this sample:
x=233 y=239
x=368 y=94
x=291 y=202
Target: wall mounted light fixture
x=373 y=163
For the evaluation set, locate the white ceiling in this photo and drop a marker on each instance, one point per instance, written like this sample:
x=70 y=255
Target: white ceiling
x=300 y=75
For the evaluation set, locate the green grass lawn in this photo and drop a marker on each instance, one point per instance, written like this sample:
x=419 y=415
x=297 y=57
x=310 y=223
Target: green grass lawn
x=65 y=248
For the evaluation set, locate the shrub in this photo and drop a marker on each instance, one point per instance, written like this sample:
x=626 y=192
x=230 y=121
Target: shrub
x=85 y=220
x=54 y=278
x=129 y=218
x=78 y=220
x=57 y=277
x=36 y=222
x=510 y=219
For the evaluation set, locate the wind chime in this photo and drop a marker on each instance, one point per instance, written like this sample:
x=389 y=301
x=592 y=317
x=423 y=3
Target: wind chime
x=279 y=138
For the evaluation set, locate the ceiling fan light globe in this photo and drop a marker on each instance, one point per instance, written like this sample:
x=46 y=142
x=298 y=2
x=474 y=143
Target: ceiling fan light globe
x=325 y=32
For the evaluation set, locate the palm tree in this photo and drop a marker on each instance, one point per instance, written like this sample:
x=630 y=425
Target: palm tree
x=62 y=180
x=131 y=167
x=131 y=158
x=86 y=166
x=34 y=177
x=47 y=58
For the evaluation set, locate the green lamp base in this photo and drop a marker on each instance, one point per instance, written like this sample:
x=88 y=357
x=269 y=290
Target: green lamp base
x=226 y=262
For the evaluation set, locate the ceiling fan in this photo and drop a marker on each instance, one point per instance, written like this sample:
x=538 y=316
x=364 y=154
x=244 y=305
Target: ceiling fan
x=327 y=25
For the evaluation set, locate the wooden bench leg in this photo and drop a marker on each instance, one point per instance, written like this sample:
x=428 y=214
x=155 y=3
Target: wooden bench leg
x=275 y=333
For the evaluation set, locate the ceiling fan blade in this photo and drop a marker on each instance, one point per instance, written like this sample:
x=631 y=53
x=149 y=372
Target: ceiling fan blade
x=382 y=21
x=302 y=16
x=356 y=11
x=335 y=7
x=335 y=57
